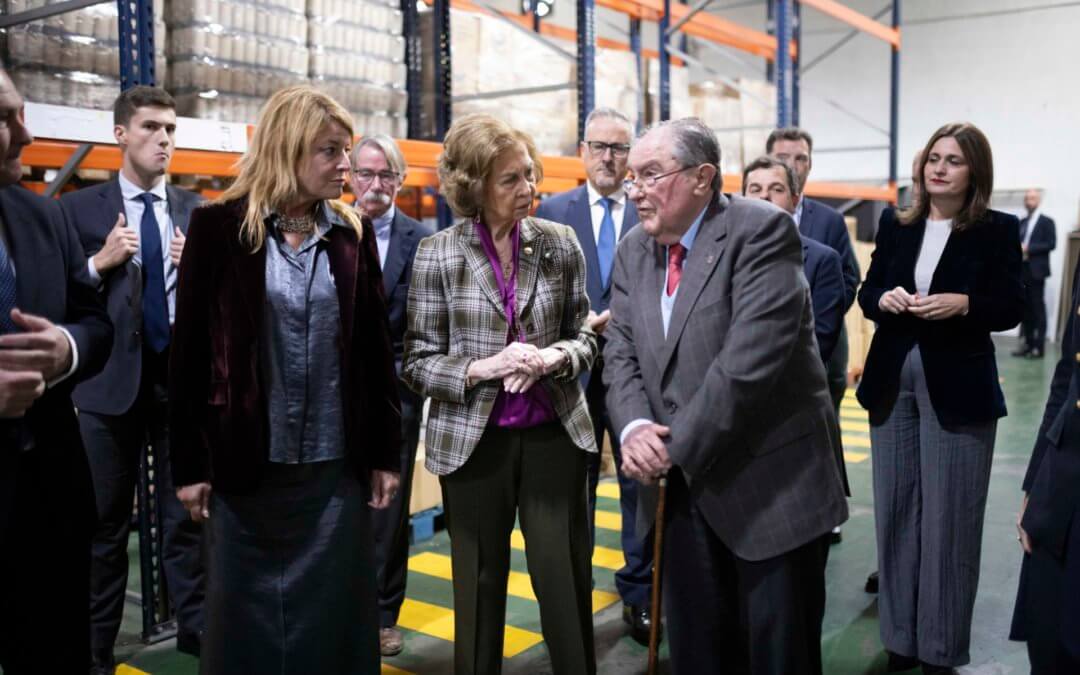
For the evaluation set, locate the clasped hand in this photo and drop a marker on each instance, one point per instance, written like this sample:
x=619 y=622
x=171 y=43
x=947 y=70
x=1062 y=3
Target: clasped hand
x=933 y=307
x=644 y=455
x=29 y=360
x=518 y=365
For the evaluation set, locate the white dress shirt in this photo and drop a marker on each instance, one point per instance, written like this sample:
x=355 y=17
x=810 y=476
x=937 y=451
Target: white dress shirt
x=596 y=210
x=382 y=233
x=1031 y=220
x=133 y=213
x=798 y=212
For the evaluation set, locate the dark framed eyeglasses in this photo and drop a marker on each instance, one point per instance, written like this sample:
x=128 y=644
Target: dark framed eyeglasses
x=649 y=180
x=618 y=150
x=367 y=175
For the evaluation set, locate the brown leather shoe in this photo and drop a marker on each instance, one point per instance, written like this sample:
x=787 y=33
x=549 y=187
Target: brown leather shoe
x=390 y=641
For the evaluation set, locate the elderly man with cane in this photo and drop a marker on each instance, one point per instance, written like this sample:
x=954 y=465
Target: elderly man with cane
x=715 y=383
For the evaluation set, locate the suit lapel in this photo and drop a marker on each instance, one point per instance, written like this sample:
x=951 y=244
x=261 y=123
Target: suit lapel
x=806 y=221
x=630 y=219
x=699 y=265
x=400 y=234
x=579 y=216
x=25 y=234
x=529 y=254
x=653 y=283
x=179 y=208
x=112 y=204
x=478 y=262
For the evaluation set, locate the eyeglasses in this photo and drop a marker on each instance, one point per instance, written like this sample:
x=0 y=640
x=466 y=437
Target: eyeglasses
x=618 y=150
x=650 y=179
x=367 y=175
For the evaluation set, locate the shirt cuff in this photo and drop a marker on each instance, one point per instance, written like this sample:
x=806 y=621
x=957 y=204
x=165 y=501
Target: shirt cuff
x=74 y=360
x=92 y=270
x=630 y=426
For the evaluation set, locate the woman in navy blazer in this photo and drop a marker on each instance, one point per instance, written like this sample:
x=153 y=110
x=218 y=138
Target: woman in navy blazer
x=944 y=275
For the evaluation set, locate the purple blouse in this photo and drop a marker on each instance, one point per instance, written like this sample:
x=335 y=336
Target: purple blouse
x=533 y=407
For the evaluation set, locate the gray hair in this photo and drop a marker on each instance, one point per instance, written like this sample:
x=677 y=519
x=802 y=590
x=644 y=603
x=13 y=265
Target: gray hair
x=694 y=144
x=389 y=149
x=612 y=114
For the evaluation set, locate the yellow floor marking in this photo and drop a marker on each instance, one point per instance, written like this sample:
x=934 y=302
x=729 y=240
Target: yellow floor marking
x=855 y=457
x=850 y=404
x=855 y=442
x=610 y=490
x=388 y=669
x=518 y=585
x=608 y=558
x=857 y=427
x=861 y=415
x=125 y=669
x=438 y=622
x=607 y=520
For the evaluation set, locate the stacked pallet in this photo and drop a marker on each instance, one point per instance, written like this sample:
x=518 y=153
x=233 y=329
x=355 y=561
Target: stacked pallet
x=738 y=117
x=358 y=56
x=227 y=56
x=72 y=58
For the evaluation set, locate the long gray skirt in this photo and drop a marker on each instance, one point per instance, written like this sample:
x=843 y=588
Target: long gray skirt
x=291 y=583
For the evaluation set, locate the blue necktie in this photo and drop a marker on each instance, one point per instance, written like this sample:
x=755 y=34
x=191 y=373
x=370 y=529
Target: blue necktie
x=155 y=305
x=7 y=291
x=605 y=247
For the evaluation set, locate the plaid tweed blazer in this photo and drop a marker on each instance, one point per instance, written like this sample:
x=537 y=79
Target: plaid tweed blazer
x=456 y=316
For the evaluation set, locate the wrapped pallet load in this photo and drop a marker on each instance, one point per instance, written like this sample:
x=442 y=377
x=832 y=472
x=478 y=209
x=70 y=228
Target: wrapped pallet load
x=72 y=58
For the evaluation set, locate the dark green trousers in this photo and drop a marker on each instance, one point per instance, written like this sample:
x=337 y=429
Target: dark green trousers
x=537 y=475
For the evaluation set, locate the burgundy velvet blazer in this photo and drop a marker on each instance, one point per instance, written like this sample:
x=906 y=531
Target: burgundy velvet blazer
x=218 y=412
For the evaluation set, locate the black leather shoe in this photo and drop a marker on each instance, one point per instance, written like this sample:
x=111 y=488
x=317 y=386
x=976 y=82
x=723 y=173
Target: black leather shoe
x=1022 y=352
x=102 y=662
x=640 y=623
x=872 y=583
x=899 y=663
x=1035 y=354
x=189 y=643
x=836 y=536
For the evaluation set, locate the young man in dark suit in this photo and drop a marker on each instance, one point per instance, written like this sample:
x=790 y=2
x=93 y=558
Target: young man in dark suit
x=54 y=332
x=824 y=224
x=132 y=229
x=378 y=169
x=1038 y=237
x=601 y=215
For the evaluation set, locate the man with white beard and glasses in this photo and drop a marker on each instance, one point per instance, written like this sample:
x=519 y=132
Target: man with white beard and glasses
x=378 y=169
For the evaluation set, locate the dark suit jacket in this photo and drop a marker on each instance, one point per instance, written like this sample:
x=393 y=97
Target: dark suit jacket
x=405 y=236
x=217 y=405
x=92 y=211
x=738 y=378
x=1053 y=476
x=572 y=208
x=982 y=262
x=51 y=281
x=823 y=271
x=1043 y=240
x=824 y=224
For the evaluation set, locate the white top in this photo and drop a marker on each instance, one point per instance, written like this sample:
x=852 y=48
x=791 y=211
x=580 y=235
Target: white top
x=1032 y=218
x=933 y=243
x=596 y=210
x=382 y=233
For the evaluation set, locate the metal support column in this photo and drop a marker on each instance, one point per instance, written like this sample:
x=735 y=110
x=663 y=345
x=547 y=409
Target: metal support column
x=783 y=62
x=586 y=62
x=410 y=22
x=639 y=65
x=535 y=17
x=443 y=93
x=136 y=26
x=665 y=64
x=157 y=610
x=796 y=62
x=894 y=99
x=770 y=28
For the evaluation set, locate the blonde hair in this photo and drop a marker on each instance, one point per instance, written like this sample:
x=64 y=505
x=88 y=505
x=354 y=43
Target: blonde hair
x=470 y=148
x=288 y=125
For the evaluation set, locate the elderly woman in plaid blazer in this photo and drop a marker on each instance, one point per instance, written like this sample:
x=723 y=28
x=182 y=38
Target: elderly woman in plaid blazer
x=496 y=338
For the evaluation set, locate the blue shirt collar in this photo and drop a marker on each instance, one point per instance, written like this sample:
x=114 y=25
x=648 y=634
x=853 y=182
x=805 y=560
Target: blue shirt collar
x=688 y=238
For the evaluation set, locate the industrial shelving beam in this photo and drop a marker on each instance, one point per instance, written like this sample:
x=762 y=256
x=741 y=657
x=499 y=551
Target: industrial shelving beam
x=586 y=62
x=410 y=22
x=136 y=26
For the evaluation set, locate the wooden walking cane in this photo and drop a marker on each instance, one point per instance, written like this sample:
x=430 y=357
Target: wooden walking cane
x=658 y=548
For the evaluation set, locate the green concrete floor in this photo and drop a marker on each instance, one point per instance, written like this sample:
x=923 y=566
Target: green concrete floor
x=850 y=644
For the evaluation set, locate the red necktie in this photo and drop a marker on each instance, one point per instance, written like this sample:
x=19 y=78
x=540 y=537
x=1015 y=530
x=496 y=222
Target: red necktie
x=676 y=254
